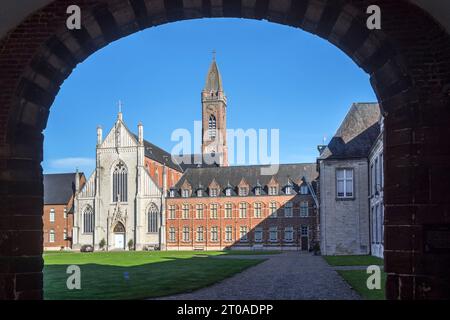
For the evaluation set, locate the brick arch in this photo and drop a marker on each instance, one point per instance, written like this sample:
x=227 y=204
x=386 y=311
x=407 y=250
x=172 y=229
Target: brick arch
x=409 y=67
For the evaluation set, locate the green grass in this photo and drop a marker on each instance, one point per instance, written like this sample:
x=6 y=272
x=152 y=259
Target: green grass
x=150 y=274
x=357 y=280
x=353 y=260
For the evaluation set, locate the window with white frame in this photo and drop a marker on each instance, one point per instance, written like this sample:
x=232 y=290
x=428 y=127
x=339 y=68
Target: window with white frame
x=185 y=193
x=65 y=212
x=172 y=193
x=243 y=233
x=273 y=191
x=213 y=192
x=51 y=236
x=228 y=233
x=52 y=215
x=185 y=211
x=273 y=234
x=199 y=211
x=243 y=191
x=228 y=210
x=372 y=179
x=344 y=183
x=288 y=189
x=186 y=234
x=304 y=189
x=172 y=234
x=258 y=235
x=257 y=191
x=242 y=210
x=213 y=211
x=289 y=234
x=65 y=234
x=257 y=209
x=288 y=212
x=199 y=234
x=273 y=210
x=381 y=179
x=228 y=192
x=172 y=212
x=214 y=234
x=304 y=209
x=199 y=193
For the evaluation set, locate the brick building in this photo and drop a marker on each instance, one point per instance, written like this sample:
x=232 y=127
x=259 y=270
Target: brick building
x=238 y=207
x=59 y=191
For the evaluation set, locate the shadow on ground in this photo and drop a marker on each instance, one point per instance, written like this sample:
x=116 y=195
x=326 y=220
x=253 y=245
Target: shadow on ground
x=142 y=281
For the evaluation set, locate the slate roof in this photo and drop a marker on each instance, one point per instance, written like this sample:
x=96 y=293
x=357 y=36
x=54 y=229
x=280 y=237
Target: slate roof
x=59 y=187
x=213 y=79
x=357 y=133
x=233 y=175
x=156 y=153
x=195 y=161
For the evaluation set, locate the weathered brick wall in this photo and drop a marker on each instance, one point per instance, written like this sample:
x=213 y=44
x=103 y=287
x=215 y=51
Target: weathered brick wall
x=408 y=61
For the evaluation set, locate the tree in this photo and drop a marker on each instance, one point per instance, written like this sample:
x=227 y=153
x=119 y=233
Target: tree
x=102 y=244
x=130 y=244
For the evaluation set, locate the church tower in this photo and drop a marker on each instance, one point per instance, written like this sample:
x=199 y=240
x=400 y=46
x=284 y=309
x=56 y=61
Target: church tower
x=214 y=116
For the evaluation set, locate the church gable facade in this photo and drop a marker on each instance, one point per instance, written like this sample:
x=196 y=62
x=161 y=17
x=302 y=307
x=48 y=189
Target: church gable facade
x=122 y=205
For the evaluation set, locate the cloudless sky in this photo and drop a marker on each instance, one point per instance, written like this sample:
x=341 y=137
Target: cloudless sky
x=274 y=77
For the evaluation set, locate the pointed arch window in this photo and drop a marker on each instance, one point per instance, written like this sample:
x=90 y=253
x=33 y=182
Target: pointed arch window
x=152 y=219
x=88 y=220
x=120 y=183
x=212 y=127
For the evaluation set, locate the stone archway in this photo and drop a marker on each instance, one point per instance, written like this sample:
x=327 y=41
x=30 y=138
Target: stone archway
x=408 y=61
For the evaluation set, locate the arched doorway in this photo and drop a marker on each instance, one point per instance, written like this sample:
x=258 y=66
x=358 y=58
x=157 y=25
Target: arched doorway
x=410 y=71
x=119 y=236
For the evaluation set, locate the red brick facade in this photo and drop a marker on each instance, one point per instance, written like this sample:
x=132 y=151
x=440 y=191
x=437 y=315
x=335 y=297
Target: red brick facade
x=57 y=231
x=250 y=218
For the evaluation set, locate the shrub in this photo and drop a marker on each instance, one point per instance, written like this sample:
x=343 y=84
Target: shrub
x=130 y=244
x=102 y=244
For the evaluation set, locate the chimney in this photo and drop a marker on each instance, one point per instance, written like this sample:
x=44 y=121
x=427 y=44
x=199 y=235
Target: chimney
x=99 y=135
x=141 y=133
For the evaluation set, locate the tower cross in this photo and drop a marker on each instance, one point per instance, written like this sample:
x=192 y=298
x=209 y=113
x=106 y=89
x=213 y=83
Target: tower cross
x=214 y=54
x=120 y=104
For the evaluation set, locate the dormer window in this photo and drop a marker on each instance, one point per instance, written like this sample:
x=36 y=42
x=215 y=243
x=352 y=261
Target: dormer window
x=200 y=193
x=172 y=193
x=304 y=189
x=228 y=192
x=185 y=193
x=289 y=190
x=243 y=191
x=258 y=191
x=213 y=192
x=273 y=191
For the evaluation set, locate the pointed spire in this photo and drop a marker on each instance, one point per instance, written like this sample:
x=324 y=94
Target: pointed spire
x=119 y=115
x=213 y=79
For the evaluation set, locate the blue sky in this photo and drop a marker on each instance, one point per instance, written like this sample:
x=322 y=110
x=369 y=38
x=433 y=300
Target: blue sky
x=274 y=77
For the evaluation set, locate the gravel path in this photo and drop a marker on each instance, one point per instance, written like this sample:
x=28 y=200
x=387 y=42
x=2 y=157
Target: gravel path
x=289 y=275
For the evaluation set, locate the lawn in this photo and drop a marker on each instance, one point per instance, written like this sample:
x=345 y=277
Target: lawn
x=353 y=260
x=358 y=278
x=138 y=275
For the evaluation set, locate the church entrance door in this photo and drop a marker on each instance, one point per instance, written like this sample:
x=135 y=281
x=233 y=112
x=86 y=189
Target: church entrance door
x=119 y=236
x=119 y=241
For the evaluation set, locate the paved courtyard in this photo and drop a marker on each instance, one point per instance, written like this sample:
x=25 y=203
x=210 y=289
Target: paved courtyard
x=289 y=275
